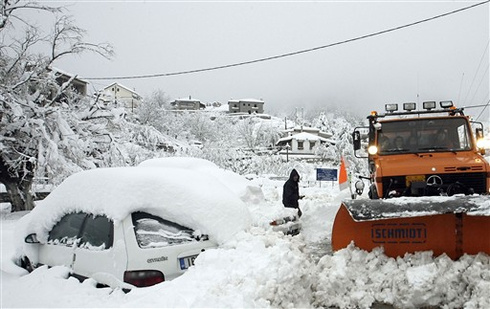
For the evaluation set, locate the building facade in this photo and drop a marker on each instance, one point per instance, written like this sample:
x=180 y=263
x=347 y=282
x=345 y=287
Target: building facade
x=303 y=140
x=121 y=96
x=246 y=106
x=189 y=104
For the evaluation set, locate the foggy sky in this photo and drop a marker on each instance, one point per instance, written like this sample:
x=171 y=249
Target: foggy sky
x=437 y=60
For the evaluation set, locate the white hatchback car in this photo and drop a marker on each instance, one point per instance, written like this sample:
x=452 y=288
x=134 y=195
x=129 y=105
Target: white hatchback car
x=133 y=226
x=142 y=250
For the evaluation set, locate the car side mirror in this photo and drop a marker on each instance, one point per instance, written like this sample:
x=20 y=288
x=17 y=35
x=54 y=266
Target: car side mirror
x=31 y=239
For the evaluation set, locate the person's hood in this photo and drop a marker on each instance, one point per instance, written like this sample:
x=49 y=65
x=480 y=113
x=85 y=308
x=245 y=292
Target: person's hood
x=294 y=172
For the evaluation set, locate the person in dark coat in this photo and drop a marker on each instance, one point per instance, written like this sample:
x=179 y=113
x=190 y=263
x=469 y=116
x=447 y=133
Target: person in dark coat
x=290 y=192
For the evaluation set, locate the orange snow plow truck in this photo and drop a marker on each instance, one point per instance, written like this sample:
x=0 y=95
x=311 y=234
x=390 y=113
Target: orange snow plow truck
x=429 y=184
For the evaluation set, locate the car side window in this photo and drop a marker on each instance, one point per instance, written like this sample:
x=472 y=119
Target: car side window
x=66 y=231
x=98 y=233
x=155 y=232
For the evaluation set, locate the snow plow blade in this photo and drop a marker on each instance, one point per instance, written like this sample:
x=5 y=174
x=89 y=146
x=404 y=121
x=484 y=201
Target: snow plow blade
x=451 y=225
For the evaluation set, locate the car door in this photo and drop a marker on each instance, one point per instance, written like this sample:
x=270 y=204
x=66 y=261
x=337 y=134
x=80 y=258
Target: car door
x=62 y=240
x=100 y=253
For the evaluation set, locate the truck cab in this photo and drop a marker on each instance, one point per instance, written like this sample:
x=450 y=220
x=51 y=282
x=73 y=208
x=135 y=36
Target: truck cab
x=423 y=153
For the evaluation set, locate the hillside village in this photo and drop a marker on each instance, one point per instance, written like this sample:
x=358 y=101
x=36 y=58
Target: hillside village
x=297 y=139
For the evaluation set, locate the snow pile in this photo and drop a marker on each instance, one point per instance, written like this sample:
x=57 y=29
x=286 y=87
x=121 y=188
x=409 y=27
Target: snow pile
x=54 y=288
x=353 y=278
x=256 y=270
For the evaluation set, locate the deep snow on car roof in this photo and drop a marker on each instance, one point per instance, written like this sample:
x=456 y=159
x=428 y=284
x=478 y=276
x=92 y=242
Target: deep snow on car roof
x=234 y=182
x=186 y=196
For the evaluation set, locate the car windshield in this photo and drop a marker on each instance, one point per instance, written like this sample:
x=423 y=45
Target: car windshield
x=154 y=232
x=423 y=135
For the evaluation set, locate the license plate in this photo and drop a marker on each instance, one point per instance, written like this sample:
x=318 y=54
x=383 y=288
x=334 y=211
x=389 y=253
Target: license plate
x=187 y=261
x=410 y=179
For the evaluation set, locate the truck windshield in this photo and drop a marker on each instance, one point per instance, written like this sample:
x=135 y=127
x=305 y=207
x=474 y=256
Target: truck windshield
x=423 y=135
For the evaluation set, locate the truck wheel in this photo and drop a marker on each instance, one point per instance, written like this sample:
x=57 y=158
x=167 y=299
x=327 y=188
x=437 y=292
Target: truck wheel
x=373 y=192
x=456 y=188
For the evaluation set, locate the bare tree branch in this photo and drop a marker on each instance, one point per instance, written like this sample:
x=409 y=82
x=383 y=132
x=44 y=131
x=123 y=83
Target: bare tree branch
x=67 y=39
x=9 y=7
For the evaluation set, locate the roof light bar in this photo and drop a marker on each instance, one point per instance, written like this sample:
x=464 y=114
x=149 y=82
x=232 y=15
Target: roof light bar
x=391 y=107
x=429 y=105
x=409 y=106
x=446 y=104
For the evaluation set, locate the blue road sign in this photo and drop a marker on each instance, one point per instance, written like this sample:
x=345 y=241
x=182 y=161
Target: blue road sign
x=326 y=174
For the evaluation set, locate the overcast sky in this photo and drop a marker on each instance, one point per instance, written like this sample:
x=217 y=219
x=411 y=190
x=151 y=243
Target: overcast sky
x=443 y=59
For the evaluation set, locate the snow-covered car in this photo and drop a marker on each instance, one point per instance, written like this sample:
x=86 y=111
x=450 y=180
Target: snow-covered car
x=92 y=245
x=133 y=226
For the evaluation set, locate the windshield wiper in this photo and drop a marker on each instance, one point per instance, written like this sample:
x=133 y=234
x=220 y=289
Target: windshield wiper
x=200 y=237
x=396 y=150
x=434 y=148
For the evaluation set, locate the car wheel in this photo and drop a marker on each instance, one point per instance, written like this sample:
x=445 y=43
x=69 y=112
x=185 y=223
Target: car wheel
x=26 y=264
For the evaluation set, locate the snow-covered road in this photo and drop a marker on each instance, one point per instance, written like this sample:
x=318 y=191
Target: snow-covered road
x=264 y=269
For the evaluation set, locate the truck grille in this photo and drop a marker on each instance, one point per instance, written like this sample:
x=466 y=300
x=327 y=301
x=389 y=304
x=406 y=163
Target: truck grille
x=477 y=181
x=448 y=169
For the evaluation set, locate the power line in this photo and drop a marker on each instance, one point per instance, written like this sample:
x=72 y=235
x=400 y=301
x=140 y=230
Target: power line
x=479 y=84
x=291 y=53
x=481 y=113
x=484 y=105
x=476 y=73
x=484 y=108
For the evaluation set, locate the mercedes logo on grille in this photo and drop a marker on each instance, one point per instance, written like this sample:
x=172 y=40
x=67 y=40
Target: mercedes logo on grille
x=434 y=181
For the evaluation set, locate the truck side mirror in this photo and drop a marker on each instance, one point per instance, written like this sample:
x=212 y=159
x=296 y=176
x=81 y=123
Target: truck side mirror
x=479 y=139
x=356 y=140
x=479 y=133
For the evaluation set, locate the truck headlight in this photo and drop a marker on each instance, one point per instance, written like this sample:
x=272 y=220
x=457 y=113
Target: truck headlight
x=480 y=143
x=372 y=150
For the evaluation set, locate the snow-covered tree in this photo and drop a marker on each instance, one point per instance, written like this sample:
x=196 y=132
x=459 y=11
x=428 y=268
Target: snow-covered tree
x=153 y=109
x=35 y=116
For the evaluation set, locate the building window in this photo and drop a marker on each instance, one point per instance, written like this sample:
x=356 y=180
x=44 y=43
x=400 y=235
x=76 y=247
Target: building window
x=300 y=145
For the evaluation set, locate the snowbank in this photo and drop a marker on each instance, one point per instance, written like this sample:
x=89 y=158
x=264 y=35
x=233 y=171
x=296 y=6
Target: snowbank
x=353 y=278
x=261 y=275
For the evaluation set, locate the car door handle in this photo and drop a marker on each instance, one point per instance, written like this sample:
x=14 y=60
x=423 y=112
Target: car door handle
x=73 y=260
